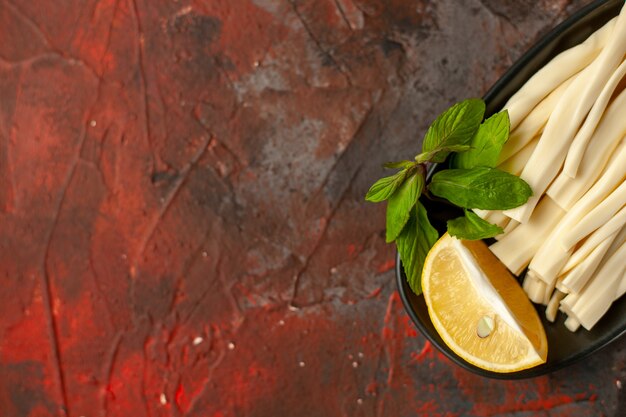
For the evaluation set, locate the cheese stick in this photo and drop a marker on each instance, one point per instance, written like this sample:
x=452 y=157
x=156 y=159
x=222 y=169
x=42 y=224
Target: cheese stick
x=574 y=280
x=546 y=160
x=516 y=249
x=556 y=72
x=552 y=256
x=596 y=298
x=533 y=123
x=515 y=163
x=591 y=243
x=610 y=212
x=579 y=144
x=565 y=191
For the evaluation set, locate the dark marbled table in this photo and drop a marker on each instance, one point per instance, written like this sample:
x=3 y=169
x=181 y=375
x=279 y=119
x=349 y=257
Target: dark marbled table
x=182 y=224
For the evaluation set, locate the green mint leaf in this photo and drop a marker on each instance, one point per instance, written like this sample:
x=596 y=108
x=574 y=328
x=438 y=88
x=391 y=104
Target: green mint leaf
x=434 y=154
x=480 y=188
x=385 y=187
x=486 y=144
x=414 y=243
x=399 y=165
x=455 y=126
x=400 y=204
x=472 y=227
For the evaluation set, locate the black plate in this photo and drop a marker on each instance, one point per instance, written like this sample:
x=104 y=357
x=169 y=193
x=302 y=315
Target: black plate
x=564 y=347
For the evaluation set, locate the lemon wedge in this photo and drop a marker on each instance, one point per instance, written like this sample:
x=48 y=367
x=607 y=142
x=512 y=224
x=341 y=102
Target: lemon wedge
x=479 y=309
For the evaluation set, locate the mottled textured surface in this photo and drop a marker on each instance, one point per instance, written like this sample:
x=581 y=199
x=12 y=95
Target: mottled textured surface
x=182 y=224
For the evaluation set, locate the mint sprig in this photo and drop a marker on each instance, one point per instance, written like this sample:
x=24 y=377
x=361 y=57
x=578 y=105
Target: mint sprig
x=400 y=204
x=414 y=243
x=480 y=188
x=385 y=187
x=454 y=127
x=487 y=144
x=472 y=183
x=472 y=227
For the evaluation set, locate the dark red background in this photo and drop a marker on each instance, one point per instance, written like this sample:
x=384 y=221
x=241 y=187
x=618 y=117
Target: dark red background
x=182 y=224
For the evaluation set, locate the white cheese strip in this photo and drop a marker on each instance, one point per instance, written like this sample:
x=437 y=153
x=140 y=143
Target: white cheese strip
x=493 y=216
x=565 y=191
x=511 y=225
x=615 y=243
x=553 y=305
x=592 y=242
x=533 y=123
x=534 y=287
x=596 y=298
x=559 y=285
x=568 y=302
x=574 y=280
x=579 y=144
x=610 y=212
x=516 y=249
x=547 y=294
x=552 y=256
x=498 y=218
x=557 y=71
x=546 y=160
x=516 y=163
x=572 y=324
